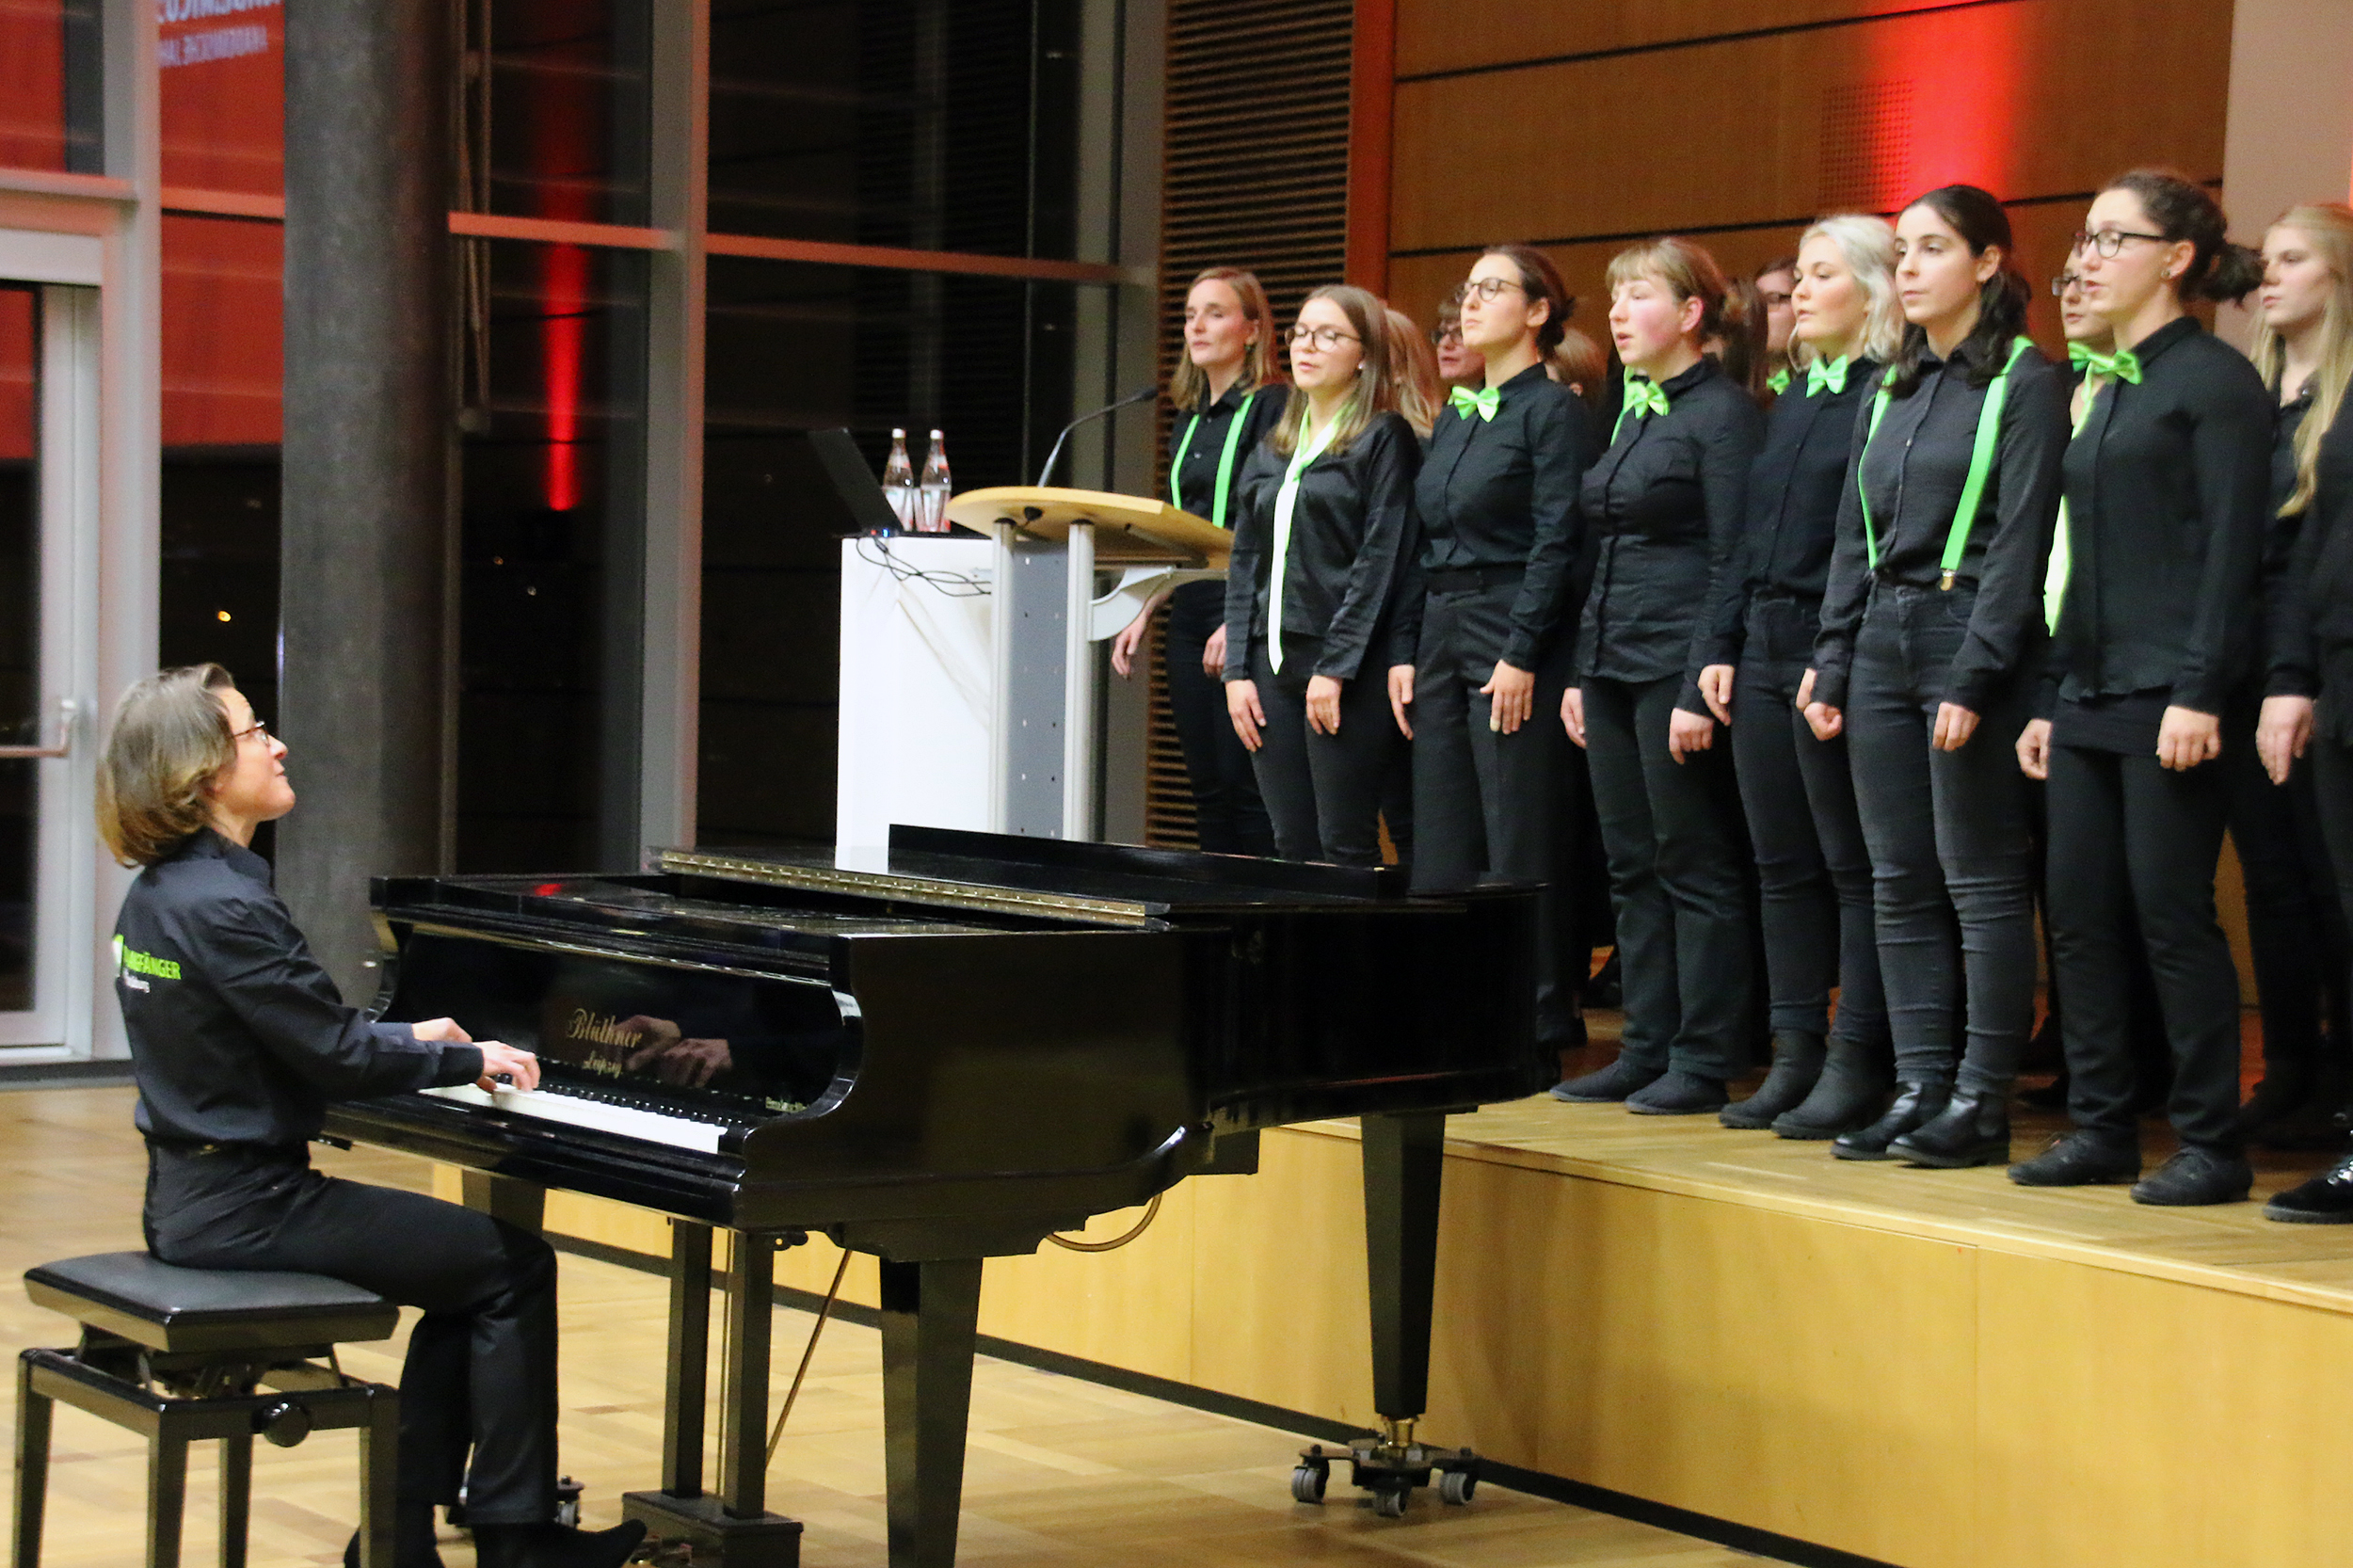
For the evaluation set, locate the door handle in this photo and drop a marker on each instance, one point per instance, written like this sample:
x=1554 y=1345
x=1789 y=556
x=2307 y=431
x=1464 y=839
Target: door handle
x=66 y=708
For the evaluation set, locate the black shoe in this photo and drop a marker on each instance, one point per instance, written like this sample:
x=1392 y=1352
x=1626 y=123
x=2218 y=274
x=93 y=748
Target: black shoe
x=1798 y=1058
x=2081 y=1159
x=1679 y=1094
x=413 y=1546
x=1916 y=1105
x=2051 y=1097
x=2325 y=1200
x=1606 y=990
x=1610 y=1084
x=2195 y=1177
x=556 y=1545
x=2283 y=1091
x=1850 y=1094
x=1971 y=1129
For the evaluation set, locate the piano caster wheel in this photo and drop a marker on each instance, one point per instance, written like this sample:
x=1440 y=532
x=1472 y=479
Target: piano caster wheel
x=1309 y=1479
x=1456 y=1486
x=567 y=1493
x=1390 y=1502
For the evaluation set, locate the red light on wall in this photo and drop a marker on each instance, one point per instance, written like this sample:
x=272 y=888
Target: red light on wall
x=564 y=298
x=1965 y=72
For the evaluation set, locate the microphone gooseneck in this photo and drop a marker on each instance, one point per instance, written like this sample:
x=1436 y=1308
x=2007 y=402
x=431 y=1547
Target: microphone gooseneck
x=1144 y=395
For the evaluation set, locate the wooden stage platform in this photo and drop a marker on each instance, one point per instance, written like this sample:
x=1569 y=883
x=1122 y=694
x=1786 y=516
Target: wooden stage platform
x=1936 y=1369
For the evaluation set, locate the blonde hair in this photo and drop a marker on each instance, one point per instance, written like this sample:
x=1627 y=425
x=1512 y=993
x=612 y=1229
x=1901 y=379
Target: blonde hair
x=1868 y=245
x=2330 y=226
x=1375 y=390
x=1420 y=393
x=1187 y=383
x=1685 y=266
x=170 y=738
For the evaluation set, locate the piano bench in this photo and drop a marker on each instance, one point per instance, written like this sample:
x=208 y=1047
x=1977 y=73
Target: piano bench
x=184 y=1356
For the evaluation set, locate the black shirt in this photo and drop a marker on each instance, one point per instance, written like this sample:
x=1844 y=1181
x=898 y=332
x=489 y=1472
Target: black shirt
x=1793 y=493
x=2287 y=648
x=1914 y=471
x=2167 y=486
x=237 y=1035
x=1666 y=505
x=1352 y=529
x=1193 y=478
x=1503 y=492
x=2320 y=647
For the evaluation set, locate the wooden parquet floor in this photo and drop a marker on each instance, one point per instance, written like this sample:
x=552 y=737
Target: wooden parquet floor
x=1060 y=1472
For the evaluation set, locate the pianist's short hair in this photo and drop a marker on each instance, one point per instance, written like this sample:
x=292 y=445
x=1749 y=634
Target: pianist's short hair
x=170 y=737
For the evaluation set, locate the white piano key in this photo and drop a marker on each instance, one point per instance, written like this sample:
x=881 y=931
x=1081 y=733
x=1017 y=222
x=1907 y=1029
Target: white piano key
x=553 y=1105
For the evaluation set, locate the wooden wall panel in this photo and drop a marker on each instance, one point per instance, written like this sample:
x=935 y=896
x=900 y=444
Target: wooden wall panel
x=1748 y=133
x=1468 y=35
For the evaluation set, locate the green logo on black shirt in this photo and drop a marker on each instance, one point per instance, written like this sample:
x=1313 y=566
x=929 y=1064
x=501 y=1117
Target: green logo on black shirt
x=129 y=961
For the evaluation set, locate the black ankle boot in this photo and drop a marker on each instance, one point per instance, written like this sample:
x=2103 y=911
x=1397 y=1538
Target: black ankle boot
x=556 y=1545
x=1848 y=1095
x=1677 y=1094
x=2325 y=1200
x=413 y=1546
x=1916 y=1105
x=1971 y=1129
x=1609 y=1085
x=1798 y=1056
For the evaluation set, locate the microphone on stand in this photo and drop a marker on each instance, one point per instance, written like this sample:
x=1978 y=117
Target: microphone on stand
x=1143 y=395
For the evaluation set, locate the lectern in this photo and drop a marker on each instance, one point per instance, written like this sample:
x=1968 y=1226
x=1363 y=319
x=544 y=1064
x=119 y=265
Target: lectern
x=1045 y=618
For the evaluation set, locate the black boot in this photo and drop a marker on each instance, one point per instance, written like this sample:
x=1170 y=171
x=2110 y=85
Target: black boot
x=1848 y=1095
x=1609 y=1085
x=2325 y=1200
x=556 y=1545
x=1973 y=1129
x=1677 y=1094
x=2082 y=1159
x=1916 y=1105
x=1798 y=1057
x=413 y=1546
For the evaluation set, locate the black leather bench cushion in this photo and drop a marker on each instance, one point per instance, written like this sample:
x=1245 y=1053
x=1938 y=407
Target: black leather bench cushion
x=167 y=1309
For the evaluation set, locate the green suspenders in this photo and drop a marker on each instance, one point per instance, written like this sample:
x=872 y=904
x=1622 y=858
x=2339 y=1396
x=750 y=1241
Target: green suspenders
x=1981 y=467
x=1225 y=461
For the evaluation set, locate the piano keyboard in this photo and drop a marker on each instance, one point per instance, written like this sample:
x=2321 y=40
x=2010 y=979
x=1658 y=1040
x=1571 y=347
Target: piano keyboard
x=555 y=1106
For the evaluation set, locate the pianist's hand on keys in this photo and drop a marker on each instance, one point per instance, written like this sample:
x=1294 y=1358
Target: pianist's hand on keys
x=501 y=1063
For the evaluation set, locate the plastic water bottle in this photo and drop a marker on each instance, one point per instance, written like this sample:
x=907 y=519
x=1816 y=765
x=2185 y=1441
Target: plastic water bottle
x=935 y=489
x=898 y=482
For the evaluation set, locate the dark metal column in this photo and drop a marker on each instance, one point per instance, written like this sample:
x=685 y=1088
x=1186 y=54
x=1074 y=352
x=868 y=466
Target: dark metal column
x=366 y=458
x=929 y=1312
x=1404 y=1157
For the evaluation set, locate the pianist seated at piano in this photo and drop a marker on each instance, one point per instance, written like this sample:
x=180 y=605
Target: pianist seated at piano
x=239 y=1042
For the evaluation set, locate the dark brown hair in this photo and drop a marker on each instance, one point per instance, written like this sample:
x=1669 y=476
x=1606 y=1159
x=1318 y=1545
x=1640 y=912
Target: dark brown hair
x=2183 y=210
x=1539 y=280
x=170 y=738
x=1744 y=335
x=1976 y=216
x=1579 y=363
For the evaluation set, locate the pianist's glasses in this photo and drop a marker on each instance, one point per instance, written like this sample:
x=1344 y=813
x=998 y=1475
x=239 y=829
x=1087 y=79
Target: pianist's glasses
x=257 y=729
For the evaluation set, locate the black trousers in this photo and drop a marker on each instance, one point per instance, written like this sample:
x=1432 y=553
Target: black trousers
x=1323 y=792
x=2130 y=837
x=1686 y=944
x=2296 y=930
x=1952 y=842
x=1228 y=816
x=1487 y=803
x=480 y=1373
x=1814 y=872
x=2331 y=765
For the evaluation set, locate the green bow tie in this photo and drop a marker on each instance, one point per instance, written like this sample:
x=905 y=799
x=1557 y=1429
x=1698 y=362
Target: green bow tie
x=1826 y=376
x=2122 y=365
x=1644 y=396
x=1484 y=402
x=1778 y=380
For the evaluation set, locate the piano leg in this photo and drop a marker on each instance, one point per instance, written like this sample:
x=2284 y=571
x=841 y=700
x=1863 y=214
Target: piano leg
x=1403 y=1165
x=733 y=1530
x=929 y=1314
x=520 y=1204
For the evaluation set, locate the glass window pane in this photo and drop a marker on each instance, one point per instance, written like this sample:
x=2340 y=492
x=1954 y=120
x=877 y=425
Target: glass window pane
x=222 y=74
x=794 y=348
x=19 y=647
x=553 y=497
x=49 y=85
x=556 y=126
x=898 y=122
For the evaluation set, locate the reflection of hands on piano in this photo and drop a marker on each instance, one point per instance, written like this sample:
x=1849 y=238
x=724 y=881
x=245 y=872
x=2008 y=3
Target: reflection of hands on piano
x=672 y=1058
x=503 y=1066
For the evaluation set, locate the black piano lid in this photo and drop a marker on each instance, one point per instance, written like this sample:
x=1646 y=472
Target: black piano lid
x=1097 y=882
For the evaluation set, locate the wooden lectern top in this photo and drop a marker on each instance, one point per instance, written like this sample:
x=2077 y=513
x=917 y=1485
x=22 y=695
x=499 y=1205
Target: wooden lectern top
x=1129 y=530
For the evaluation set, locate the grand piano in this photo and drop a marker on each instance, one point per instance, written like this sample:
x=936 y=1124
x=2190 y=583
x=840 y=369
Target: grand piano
x=989 y=1042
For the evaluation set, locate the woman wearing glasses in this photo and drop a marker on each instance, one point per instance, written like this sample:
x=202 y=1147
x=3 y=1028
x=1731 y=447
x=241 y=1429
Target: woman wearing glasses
x=2167 y=484
x=1666 y=504
x=1813 y=871
x=1227 y=395
x=1483 y=640
x=2304 y=348
x=1310 y=598
x=1930 y=620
